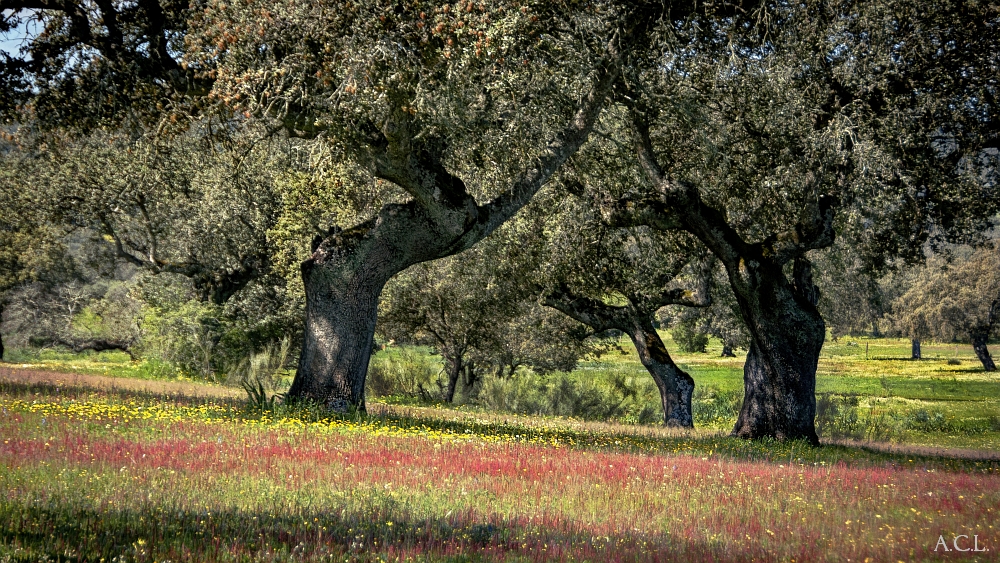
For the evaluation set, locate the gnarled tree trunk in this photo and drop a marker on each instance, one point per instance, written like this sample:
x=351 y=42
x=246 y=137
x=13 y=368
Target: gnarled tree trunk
x=915 y=349
x=343 y=281
x=787 y=334
x=980 y=338
x=675 y=385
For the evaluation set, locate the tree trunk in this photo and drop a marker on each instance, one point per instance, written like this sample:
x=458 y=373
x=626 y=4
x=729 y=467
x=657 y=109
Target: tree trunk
x=343 y=281
x=979 y=340
x=727 y=351
x=675 y=385
x=347 y=271
x=454 y=373
x=787 y=334
x=915 y=349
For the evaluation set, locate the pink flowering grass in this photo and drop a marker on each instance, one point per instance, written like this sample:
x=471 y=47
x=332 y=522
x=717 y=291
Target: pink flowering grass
x=92 y=476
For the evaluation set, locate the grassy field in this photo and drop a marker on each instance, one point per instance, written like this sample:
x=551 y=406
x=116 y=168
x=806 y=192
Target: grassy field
x=869 y=388
x=91 y=475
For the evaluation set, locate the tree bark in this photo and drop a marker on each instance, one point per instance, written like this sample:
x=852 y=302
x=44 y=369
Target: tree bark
x=980 y=338
x=915 y=349
x=787 y=334
x=675 y=385
x=343 y=281
x=454 y=373
x=727 y=352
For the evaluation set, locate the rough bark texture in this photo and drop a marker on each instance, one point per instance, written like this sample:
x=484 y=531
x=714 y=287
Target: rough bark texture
x=343 y=281
x=675 y=385
x=787 y=334
x=980 y=338
x=455 y=369
x=915 y=349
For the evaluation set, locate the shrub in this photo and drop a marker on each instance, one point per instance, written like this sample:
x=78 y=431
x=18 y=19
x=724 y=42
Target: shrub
x=712 y=407
x=616 y=395
x=688 y=338
x=403 y=371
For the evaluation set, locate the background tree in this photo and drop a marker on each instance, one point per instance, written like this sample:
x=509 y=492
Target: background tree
x=478 y=313
x=956 y=300
x=187 y=204
x=31 y=249
x=615 y=280
x=852 y=300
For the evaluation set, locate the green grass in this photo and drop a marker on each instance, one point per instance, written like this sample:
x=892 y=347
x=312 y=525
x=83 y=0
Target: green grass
x=928 y=402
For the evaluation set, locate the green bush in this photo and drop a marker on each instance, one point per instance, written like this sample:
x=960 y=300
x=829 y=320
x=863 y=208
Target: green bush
x=844 y=417
x=617 y=396
x=688 y=338
x=715 y=408
x=404 y=371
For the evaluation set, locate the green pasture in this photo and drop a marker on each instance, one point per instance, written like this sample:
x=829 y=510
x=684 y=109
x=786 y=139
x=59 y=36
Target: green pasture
x=868 y=388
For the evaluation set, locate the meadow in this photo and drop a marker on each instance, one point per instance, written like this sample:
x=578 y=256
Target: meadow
x=144 y=475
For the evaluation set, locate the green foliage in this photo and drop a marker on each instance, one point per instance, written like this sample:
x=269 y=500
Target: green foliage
x=950 y=301
x=259 y=374
x=184 y=334
x=715 y=408
x=404 y=371
x=618 y=396
x=688 y=338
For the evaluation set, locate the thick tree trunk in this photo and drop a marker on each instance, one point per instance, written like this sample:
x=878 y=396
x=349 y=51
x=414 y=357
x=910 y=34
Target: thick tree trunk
x=675 y=385
x=343 y=281
x=915 y=349
x=980 y=338
x=727 y=351
x=787 y=334
x=341 y=308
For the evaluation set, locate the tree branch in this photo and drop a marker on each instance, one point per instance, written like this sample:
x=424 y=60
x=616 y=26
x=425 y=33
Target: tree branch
x=566 y=143
x=595 y=314
x=683 y=201
x=814 y=230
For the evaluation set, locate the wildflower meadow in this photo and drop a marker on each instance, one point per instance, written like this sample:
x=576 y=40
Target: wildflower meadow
x=135 y=476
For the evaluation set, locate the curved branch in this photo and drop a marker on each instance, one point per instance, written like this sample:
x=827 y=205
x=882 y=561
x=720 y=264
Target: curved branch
x=683 y=201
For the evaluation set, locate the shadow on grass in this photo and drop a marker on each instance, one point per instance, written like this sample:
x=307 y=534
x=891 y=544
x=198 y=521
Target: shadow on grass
x=55 y=531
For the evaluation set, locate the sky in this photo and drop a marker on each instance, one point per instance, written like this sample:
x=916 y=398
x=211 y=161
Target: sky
x=11 y=41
